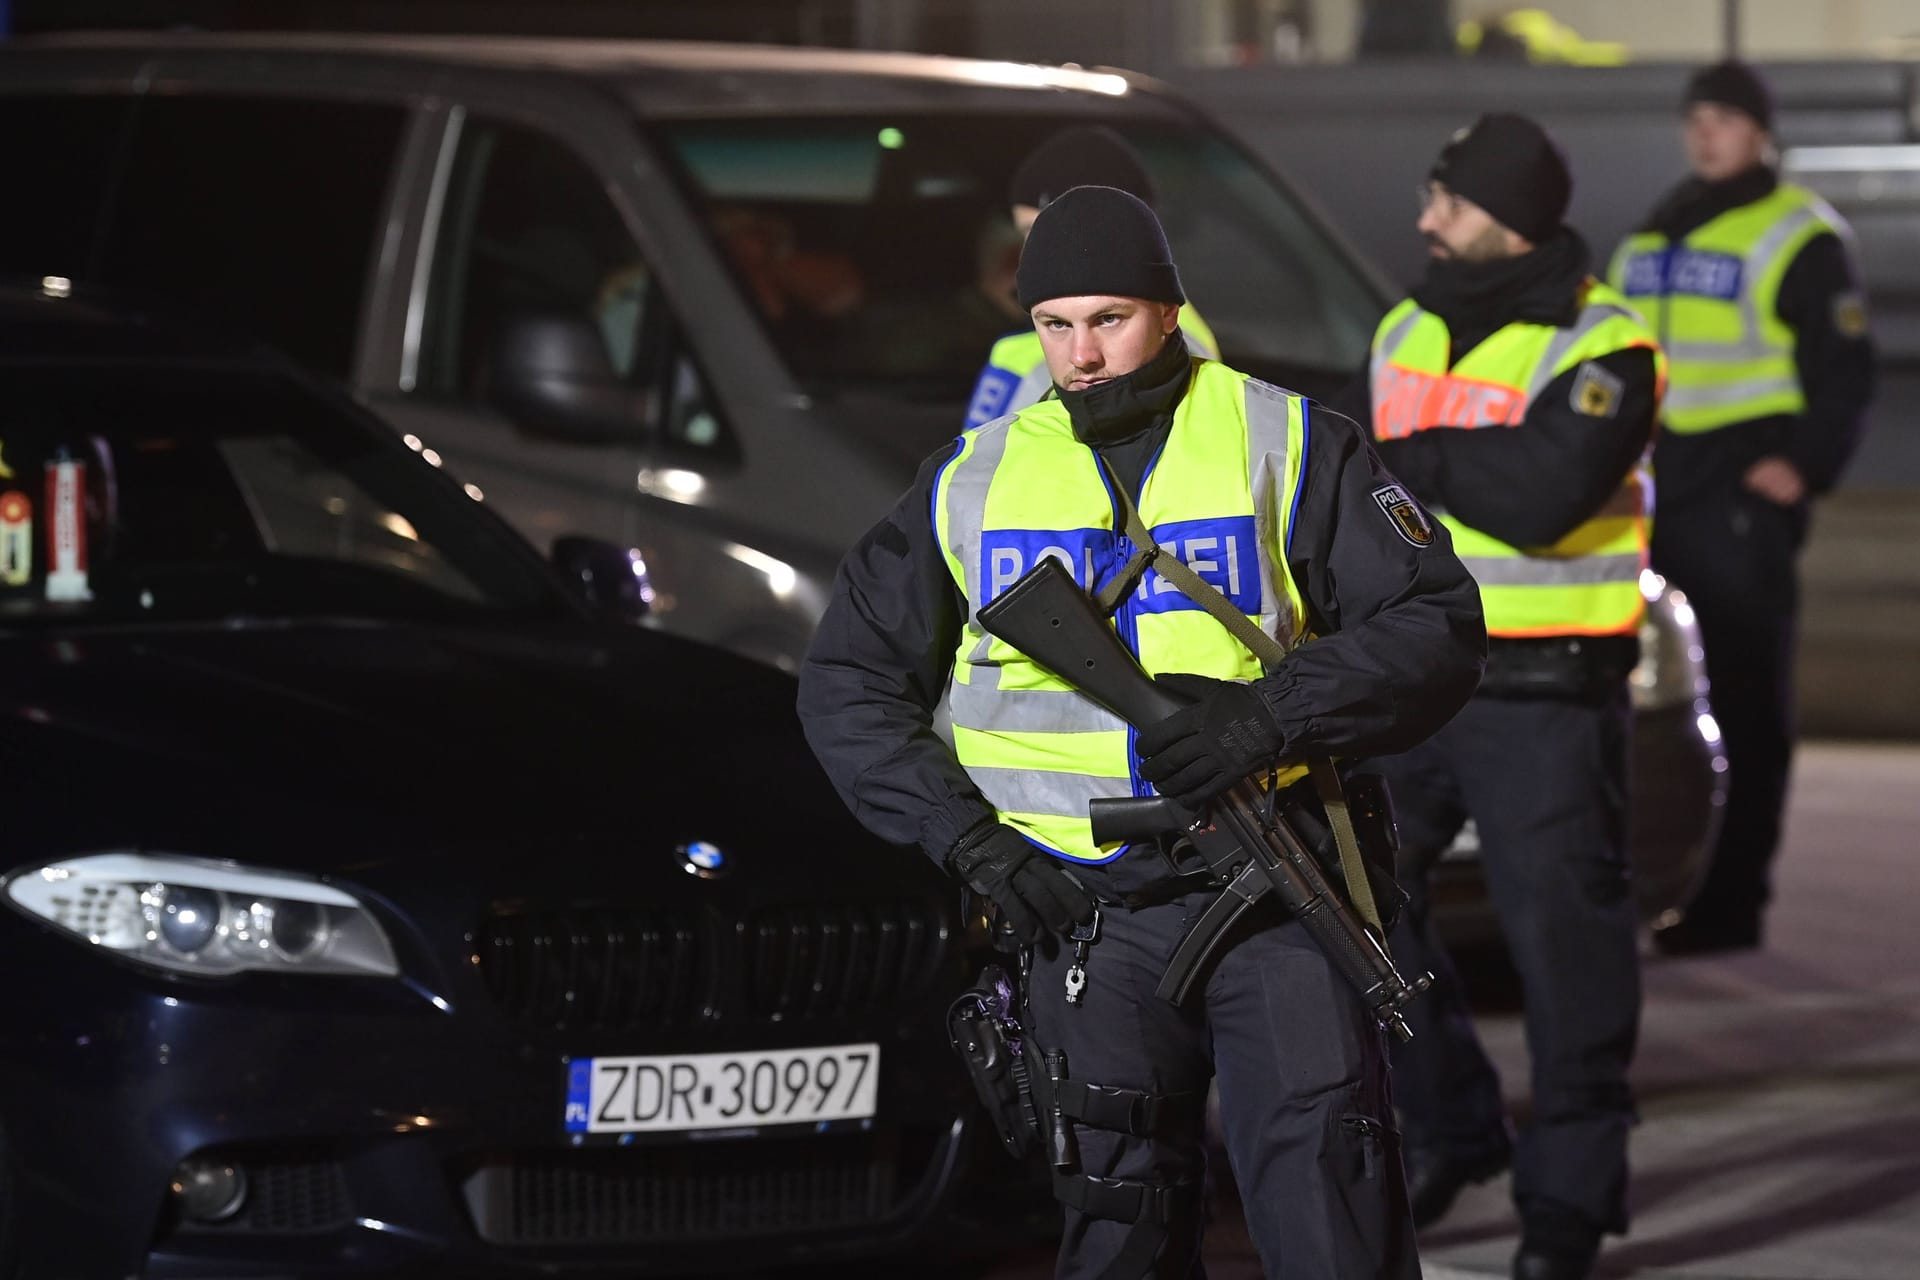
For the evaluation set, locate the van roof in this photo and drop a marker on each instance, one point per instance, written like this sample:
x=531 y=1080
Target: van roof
x=654 y=73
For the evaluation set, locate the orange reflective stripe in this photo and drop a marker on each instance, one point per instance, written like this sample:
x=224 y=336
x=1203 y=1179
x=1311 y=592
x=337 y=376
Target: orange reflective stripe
x=1409 y=400
x=1624 y=628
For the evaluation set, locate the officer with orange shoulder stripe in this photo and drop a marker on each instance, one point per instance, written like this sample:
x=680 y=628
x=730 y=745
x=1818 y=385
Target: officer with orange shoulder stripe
x=1514 y=396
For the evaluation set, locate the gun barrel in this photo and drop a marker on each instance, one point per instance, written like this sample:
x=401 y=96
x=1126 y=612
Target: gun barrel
x=1359 y=956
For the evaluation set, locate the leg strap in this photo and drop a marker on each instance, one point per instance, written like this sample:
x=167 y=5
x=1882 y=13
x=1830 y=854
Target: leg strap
x=1121 y=1199
x=1153 y=1212
x=1130 y=1111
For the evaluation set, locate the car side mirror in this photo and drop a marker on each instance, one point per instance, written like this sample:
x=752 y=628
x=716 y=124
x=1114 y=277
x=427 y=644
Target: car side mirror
x=612 y=580
x=550 y=373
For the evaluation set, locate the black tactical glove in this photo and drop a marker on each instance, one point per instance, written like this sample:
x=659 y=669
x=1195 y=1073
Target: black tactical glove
x=1032 y=890
x=1201 y=750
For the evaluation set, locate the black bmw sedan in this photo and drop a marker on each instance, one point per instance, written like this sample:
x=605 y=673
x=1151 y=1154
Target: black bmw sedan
x=377 y=900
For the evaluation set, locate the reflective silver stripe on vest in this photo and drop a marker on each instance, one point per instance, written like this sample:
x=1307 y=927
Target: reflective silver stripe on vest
x=1058 y=795
x=1752 y=344
x=1591 y=317
x=967 y=485
x=1030 y=389
x=1267 y=413
x=1716 y=394
x=1028 y=710
x=1544 y=571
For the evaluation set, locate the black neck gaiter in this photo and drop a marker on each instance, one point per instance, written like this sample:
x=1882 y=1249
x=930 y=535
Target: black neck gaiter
x=1694 y=203
x=1475 y=299
x=1127 y=418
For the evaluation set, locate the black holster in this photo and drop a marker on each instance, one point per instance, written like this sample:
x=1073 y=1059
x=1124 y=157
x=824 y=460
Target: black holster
x=984 y=1028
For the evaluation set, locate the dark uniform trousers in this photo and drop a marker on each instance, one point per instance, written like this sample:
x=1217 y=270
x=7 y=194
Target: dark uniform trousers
x=1733 y=553
x=1545 y=781
x=1304 y=1101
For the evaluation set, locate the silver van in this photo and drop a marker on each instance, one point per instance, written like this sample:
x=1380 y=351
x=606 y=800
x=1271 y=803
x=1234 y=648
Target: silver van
x=711 y=301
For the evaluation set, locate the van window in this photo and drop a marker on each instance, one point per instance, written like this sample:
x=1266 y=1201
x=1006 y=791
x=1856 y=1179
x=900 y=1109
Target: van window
x=259 y=213
x=879 y=254
x=529 y=228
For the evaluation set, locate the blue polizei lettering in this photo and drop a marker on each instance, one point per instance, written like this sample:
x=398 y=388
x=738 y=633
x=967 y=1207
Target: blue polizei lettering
x=1007 y=554
x=1646 y=273
x=1705 y=275
x=990 y=395
x=1223 y=551
x=1696 y=273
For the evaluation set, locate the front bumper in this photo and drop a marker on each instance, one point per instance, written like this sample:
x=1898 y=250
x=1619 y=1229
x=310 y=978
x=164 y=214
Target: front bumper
x=379 y=1133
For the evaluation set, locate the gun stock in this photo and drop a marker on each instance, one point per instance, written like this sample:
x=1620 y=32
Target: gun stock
x=1046 y=616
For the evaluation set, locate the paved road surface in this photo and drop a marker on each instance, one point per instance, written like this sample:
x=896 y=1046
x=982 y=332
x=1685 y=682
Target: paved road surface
x=1780 y=1090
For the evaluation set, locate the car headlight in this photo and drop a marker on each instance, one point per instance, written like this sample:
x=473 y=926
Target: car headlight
x=196 y=915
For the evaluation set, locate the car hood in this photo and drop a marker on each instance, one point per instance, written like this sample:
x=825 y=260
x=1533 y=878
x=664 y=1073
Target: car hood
x=341 y=749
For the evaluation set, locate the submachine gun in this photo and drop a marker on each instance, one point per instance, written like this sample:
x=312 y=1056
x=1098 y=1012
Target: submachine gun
x=1244 y=840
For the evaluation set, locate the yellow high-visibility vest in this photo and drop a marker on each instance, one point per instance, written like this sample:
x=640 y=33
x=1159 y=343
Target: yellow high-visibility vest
x=1588 y=583
x=1221 y=496
x=1713 y=299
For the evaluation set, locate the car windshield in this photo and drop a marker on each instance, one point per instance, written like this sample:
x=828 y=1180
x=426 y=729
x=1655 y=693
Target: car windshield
x=143 y=494
x=879 y=250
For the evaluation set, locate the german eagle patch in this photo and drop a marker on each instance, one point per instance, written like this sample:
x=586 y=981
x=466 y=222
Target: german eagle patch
x=1596 y=392
x=1850 y=315
x=1408 y=520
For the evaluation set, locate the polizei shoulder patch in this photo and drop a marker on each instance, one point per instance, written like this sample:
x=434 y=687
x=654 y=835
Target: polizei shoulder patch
x=1408 y=520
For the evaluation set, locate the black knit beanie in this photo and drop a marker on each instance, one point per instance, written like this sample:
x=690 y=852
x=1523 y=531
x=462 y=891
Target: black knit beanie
x=1084 y=156
x=1097 y=241
x=1508 y=166
x=1733 y=84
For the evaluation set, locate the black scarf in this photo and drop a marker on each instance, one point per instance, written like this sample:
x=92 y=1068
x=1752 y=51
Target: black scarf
x=1474 y=299
x=1695 y=203
x=1123 y=406
x=1127 y=418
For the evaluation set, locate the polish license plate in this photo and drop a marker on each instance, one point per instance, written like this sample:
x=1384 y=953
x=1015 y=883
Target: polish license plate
x=722 y=1090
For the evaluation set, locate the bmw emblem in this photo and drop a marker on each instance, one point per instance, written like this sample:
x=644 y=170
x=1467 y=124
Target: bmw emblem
x=703 y=859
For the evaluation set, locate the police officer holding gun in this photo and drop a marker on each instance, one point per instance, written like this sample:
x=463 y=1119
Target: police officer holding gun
x=1281 y=508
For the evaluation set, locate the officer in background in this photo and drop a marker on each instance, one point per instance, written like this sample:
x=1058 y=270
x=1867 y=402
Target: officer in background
x=1515 y=394
x=1748 y=281
x=1284 y=509
x=1084 y=156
